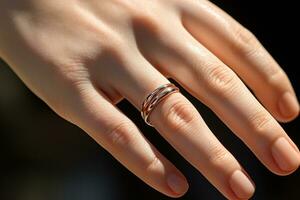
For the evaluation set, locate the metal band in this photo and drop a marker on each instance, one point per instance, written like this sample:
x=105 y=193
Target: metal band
x=154 y=98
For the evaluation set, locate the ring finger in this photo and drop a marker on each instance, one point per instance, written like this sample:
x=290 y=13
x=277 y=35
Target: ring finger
x=180 y=123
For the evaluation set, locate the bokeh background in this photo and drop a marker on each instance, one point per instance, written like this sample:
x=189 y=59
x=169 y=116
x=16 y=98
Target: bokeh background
x=44 y=157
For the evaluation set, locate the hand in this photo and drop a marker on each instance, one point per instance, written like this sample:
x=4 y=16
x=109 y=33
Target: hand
x=83 y=57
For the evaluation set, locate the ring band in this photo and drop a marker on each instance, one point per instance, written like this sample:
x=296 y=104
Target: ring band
x=154 y=98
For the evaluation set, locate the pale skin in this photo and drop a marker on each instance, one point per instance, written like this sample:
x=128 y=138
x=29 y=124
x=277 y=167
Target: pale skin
x=83 y=57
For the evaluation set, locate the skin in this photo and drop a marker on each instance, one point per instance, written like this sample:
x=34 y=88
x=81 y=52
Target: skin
x=83 y=57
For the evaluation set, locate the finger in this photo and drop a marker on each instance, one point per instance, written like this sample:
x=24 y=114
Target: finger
x=216 y=85
x=239 y=49
x=181 y=125
x=120 y=137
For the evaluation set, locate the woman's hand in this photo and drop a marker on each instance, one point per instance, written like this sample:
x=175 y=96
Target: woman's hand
x=82 y=57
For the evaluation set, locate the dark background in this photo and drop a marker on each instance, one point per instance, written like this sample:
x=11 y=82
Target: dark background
x=44 y=157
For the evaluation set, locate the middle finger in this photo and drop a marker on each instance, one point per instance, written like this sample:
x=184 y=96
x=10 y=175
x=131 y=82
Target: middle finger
x=179 y=122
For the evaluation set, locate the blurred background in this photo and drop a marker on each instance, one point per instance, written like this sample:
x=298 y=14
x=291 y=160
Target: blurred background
x=44 y=157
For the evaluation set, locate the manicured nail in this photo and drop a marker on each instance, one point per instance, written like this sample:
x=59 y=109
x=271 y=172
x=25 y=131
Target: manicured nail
x=288 y=105
x=241 y=185
x=177 y=184
x=285 y=155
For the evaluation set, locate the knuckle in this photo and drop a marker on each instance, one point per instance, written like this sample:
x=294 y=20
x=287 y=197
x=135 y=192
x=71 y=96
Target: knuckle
x=179 y=115
x=246 y=42
x=142 y=14
x=149 y=22
x=153 y=164
x=105 y=37
x=276 y=76
x=259 y=121
x=75 y=73
x=269 y=68
x=115 y=43
x=221 y=79
x=218 y=155
x=121 y=134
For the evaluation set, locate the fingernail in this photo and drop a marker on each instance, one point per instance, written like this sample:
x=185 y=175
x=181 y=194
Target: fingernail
x=285 y=155
x=288 y=105
x=177 y=184
x=241 y=185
